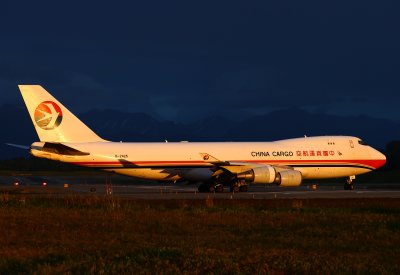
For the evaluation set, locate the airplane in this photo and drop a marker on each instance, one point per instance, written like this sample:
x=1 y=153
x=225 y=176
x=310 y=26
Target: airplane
x=63 y=137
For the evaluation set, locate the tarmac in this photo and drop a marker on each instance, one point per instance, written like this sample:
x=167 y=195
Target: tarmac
x=123 y=187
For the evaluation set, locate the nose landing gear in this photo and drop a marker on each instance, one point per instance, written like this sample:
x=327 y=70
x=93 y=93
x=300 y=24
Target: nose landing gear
x=349 y=183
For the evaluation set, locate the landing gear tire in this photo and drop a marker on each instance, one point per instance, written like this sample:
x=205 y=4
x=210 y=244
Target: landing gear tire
x=235 y=188
x=349 y=183
x=348 y=186
x=211 y=188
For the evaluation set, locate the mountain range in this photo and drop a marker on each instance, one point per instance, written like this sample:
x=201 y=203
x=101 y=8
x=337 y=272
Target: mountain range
x=140 y=127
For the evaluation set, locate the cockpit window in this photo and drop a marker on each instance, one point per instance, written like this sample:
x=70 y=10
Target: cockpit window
x=361 y=142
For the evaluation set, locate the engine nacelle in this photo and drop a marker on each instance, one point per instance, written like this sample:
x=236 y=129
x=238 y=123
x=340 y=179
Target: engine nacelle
x=288 y=178
x=259 y=175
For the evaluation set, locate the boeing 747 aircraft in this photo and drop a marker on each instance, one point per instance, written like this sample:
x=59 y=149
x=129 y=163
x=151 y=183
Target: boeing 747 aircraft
x=63 y=137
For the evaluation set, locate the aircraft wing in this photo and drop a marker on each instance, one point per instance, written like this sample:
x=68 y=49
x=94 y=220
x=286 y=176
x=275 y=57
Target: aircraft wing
x=238 y=167
x=254 y=172
x=212 y=160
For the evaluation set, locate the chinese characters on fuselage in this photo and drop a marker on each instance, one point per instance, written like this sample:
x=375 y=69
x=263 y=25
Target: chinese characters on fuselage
x=298 y=153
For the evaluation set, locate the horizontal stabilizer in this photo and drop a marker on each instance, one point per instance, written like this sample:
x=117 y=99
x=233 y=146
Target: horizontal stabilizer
x=18 y=146
x=61 y=149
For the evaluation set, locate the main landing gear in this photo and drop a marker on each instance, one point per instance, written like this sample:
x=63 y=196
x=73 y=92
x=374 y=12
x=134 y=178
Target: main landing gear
x=239 y=186
x=211 y=187
x=349 y=183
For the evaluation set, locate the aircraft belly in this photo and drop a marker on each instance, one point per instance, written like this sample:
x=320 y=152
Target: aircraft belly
x=330 y=172
x=148 y=173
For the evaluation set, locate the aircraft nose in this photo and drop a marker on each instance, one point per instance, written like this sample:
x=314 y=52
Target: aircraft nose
x=379 y=158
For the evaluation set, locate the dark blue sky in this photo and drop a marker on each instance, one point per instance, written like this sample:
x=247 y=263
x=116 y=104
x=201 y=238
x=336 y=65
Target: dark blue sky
x=184 y=60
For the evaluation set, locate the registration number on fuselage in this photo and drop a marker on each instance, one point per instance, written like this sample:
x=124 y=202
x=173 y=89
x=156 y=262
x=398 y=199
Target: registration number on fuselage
x=120 y=156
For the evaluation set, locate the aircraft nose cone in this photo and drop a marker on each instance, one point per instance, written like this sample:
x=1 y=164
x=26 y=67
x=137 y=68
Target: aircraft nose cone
x=379 y=159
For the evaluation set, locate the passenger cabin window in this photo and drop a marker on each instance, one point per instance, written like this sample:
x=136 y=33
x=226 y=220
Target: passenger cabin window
x=361 y=142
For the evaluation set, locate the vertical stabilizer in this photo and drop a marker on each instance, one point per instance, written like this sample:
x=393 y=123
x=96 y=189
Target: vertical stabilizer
x=53 y=122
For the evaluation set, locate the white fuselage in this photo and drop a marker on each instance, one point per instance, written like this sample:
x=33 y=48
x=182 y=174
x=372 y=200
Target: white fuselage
x=315 y=157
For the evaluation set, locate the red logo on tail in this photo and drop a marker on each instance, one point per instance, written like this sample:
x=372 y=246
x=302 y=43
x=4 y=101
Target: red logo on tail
x=48 y=115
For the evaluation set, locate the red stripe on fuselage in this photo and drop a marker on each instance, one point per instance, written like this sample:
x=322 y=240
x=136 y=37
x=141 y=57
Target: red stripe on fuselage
x=373 y=163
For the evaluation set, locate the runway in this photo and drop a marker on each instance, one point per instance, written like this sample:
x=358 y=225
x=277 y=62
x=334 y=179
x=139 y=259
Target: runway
x=122 y=187
x=255 y=192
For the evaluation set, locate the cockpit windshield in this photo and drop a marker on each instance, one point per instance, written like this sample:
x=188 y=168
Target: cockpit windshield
x=361 y=142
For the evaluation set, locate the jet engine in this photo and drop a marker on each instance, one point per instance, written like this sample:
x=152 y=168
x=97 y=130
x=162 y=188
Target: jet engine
x=267 y=174
x=259 y=175
x=288 y=178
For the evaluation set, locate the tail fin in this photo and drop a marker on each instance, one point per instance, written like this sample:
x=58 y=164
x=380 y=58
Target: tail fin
x=53 y=122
